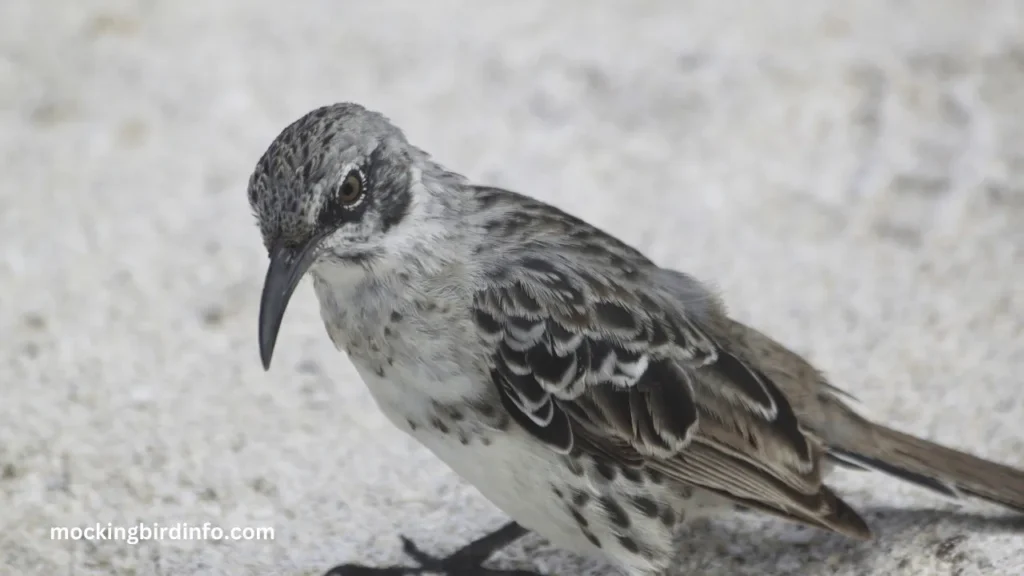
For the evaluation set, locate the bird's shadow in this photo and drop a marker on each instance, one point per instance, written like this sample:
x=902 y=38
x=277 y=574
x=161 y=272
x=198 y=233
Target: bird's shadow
x=757 y=545
x=900 y=536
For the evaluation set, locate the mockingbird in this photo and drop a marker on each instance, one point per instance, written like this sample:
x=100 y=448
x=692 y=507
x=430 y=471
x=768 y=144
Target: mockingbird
x=596 y=398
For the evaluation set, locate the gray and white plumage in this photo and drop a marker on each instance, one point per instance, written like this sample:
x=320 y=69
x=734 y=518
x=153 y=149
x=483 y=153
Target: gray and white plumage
x=596 y=398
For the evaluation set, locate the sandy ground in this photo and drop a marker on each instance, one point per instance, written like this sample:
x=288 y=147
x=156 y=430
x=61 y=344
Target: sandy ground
x=851 y=178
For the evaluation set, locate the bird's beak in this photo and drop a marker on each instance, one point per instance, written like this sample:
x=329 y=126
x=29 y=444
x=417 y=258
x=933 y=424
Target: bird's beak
x=287 y=266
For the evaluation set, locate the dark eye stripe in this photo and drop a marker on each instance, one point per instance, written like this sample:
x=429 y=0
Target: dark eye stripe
x=394 y=202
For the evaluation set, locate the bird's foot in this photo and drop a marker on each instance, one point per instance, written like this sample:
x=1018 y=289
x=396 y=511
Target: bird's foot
x=466 y=561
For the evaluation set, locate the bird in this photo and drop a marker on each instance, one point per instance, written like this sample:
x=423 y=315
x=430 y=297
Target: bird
x=599 y=400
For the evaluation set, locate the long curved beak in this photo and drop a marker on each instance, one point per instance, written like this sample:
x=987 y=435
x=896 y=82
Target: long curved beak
x=287 y=266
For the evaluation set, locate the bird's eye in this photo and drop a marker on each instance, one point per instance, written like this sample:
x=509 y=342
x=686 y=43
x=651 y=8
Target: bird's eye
x=350 y=192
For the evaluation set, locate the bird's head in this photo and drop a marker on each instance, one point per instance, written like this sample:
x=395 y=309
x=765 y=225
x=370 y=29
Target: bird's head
x=342 y=187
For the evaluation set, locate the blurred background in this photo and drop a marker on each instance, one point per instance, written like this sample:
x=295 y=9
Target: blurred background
x=849 y=175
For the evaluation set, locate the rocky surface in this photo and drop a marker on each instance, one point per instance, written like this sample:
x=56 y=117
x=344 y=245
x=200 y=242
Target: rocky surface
x=850 y=175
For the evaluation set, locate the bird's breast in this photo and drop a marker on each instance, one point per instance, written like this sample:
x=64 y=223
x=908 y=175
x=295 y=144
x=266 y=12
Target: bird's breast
x=412 y=353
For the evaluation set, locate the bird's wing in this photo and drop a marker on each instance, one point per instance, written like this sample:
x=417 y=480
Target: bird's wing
x=594 y=358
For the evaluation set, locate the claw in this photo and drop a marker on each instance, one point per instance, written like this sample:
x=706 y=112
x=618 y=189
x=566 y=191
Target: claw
x=467 y=561
x=413 y=551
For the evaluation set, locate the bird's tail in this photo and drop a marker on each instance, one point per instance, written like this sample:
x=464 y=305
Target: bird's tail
x=929 y=465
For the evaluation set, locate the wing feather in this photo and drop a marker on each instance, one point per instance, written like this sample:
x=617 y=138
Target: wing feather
x=596 y=353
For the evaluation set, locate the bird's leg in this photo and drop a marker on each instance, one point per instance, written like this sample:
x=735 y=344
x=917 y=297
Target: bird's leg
x=466 y=561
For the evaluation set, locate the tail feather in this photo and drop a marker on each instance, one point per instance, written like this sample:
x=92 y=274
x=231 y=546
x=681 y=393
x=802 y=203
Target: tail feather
x=866 y=464
x=929 y=465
